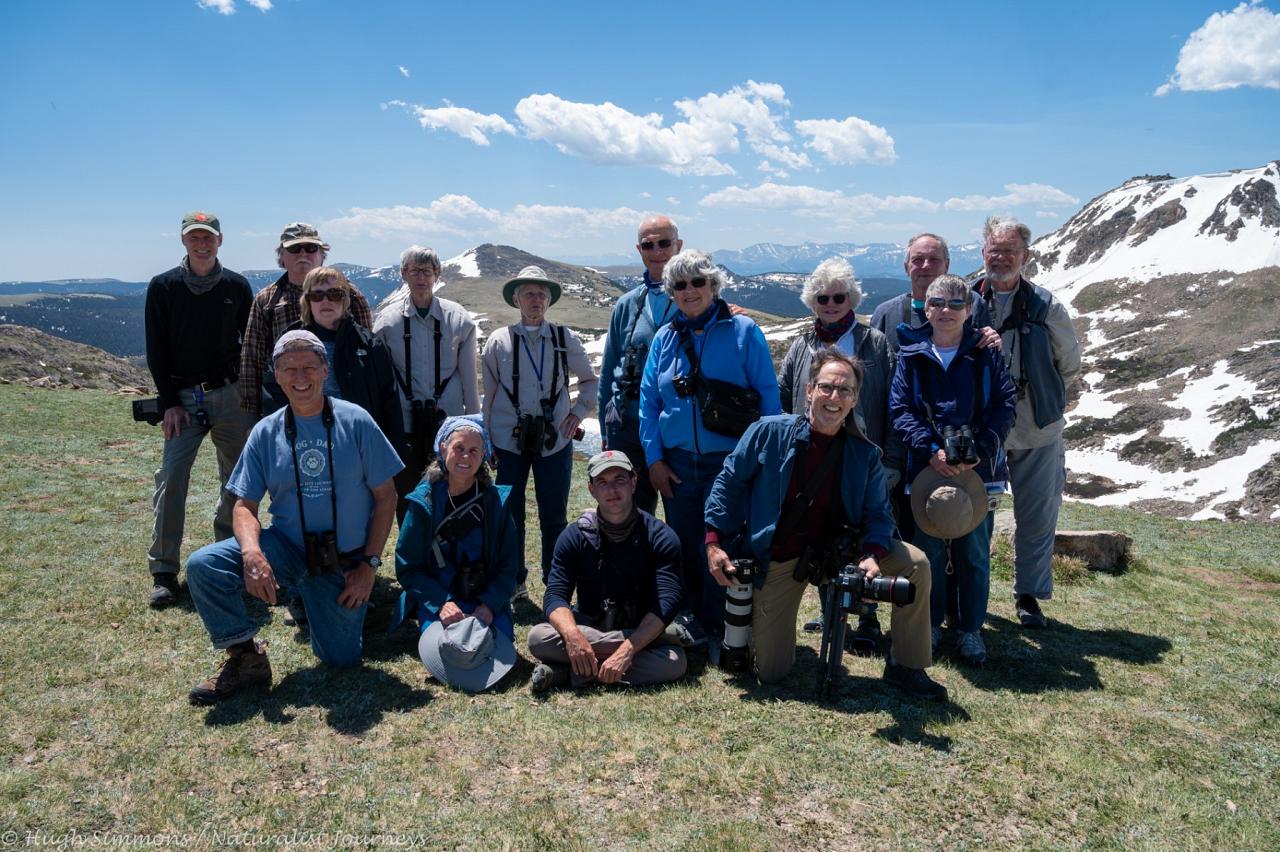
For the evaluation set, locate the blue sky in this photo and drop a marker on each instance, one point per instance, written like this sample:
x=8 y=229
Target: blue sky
x=555 y=127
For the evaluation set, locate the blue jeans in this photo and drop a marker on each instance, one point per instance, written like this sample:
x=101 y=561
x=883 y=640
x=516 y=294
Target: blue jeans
x=215 y=577
x=551 y=476
x=685 y=512
x=971 y=562
x=627 y=440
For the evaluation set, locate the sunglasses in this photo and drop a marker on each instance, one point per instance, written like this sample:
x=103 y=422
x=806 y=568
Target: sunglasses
x=837 y=298
x=337 y=294
x=953 y=304
x=696 y=282
x=309 y=248
x=648 y=245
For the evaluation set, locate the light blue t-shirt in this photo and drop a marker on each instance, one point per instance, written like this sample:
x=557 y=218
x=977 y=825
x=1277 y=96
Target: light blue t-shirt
x=946 y=354
x=362 y=456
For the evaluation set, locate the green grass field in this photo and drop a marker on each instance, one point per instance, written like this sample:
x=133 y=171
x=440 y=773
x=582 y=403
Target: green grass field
x=1144 y=717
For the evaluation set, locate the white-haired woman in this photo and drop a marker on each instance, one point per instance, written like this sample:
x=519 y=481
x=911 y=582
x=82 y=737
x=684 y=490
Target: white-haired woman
x=708 y=376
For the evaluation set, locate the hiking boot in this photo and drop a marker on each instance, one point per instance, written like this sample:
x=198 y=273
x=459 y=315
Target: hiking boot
x=972 y=650
x=548 y=676
x=1029 y=612
x=295 y=613
x=165 y=591
x=686 y=631
x=522 y=593
x=865 y=641
x=240 y=670
x=914 y=682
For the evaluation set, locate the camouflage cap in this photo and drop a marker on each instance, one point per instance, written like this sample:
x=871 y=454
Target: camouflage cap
x=296 y=233
x=200 y=221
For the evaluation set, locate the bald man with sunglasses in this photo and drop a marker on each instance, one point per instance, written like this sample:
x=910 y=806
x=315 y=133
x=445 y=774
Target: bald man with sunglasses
x=279 y=305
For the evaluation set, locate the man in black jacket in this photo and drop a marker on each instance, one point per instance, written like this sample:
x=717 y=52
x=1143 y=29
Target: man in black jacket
x=625 y=565
x=195 y=317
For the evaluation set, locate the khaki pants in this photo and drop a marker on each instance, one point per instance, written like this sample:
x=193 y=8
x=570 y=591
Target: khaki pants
x=655 y=663
x=774 y=610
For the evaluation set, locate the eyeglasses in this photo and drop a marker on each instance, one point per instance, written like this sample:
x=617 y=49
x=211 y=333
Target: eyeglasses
x=678 y=286
x=837 y=298
x=954 y=304
x=335 y=294
x=842 y=391
x=419 y=271
x=309 y=248
x=648 y=245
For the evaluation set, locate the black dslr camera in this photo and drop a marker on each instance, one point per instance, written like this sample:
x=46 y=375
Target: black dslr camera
x=148 y=411
x=617 y=615
x=684 y=385
x=958 y=444
x=425 y=418
x=845 y=595
x=633 y=358
x=471 y=581
x=322 y=553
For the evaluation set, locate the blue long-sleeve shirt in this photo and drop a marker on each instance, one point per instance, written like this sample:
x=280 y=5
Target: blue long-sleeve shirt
x=731 y=349
x=646 y=308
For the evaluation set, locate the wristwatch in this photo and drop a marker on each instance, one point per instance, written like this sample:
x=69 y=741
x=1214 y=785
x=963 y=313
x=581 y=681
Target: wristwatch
x=375 y=562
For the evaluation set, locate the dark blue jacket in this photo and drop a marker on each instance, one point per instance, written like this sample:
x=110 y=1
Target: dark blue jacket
x=577 y=565
x=753 y=483
x=920 y=385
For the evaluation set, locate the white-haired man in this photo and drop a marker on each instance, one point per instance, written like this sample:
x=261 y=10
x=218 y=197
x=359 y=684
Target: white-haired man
x=1043 y=357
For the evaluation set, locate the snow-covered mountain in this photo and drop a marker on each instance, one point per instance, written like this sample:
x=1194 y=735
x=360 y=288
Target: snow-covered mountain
x=872 y=260
x=1174 y=284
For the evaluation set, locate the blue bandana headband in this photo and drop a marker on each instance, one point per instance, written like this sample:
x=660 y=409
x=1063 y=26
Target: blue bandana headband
x=465 y=421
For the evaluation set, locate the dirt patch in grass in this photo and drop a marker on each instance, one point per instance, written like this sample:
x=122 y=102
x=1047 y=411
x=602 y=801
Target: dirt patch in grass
x=1222 y=578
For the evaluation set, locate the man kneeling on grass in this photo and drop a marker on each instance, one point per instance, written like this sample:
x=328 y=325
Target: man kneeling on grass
x=812 y=497
x=625 y=565
x=328 y=469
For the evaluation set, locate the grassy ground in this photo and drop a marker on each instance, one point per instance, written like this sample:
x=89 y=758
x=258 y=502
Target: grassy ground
x=1145 y=716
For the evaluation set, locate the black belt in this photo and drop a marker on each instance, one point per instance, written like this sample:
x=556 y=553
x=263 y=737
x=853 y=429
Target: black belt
x=211 y=385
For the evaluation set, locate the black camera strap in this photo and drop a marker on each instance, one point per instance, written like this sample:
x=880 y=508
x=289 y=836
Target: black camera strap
x=291 y=435
x=827 y=468
x=559 y=355
x=457 y=511
x=695 y=358
x=635 y=320
x=930 y=390
x=406 y=382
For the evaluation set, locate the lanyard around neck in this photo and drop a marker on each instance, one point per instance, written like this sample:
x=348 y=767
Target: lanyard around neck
x=291 y=434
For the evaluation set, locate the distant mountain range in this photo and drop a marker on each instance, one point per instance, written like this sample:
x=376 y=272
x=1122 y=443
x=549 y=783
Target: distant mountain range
x=874 y=260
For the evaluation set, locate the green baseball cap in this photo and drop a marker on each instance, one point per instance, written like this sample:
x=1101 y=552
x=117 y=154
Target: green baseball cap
x=198 y=220
x=296 y=233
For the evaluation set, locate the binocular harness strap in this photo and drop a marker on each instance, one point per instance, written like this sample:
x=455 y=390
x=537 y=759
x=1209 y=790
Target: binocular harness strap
x=291 y=435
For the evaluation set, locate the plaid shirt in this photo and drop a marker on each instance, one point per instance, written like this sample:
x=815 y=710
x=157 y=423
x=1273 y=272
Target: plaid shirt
x=266 y=326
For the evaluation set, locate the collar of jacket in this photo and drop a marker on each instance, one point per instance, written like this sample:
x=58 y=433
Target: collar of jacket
x=409 y=309
x=924 y=346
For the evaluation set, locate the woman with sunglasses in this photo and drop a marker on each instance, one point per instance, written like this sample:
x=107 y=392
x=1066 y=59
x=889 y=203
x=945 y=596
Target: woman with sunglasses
x=833 y=294
x=946 y=383
x=700 y=360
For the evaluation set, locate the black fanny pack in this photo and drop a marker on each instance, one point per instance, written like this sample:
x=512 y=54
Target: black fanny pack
x=727 y=409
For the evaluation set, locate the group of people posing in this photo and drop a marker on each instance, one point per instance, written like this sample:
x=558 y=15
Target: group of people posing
x=883 y=446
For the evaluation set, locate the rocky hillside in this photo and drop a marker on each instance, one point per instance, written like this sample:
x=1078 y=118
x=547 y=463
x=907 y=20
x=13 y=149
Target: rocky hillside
x=29 y=356
x=1173 y=283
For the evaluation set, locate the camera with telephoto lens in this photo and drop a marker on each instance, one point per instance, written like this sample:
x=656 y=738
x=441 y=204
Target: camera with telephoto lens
x=735 y=648
x=148 y=411
x=530 y=435
x=847 y=593
x=684 y=386
x=322 y=552
x=425 y=418
x=958 y=444
x=633 y=358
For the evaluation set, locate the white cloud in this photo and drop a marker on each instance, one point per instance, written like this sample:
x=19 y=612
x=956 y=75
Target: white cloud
x=1017 y=195
x=770 y=169
x=646 y=195
x=404 y=72
x=671 y=199
x=462 y=216
x=228 y=7
x=848 y=142
x=827 y=203
x=1047 y=214
x=1231 y=49
x=466 y=123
